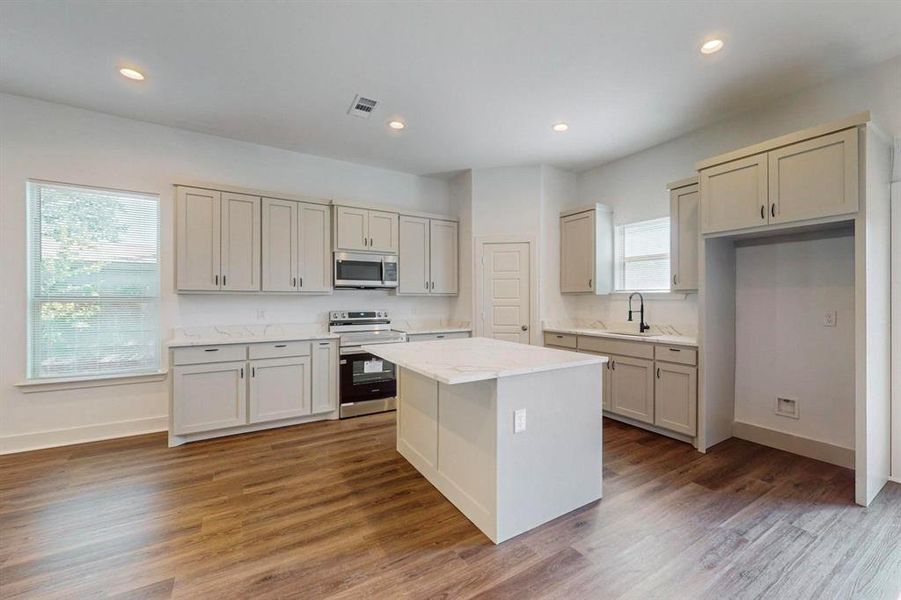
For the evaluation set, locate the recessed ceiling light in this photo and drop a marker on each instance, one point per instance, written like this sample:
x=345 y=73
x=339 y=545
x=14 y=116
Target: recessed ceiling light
x=711 y=46
x=560 y=127
x=396 y=125
x=132 y=74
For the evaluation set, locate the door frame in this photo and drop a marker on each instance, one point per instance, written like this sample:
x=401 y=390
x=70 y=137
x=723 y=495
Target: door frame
x=479 y=274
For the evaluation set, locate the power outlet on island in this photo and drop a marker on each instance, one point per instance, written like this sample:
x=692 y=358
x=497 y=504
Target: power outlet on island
x=519 y=420
x=830 y=318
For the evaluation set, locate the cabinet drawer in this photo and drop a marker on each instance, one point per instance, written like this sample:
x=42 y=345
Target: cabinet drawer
x=208 y=354
x=279 y=349
x=563 y=340
x=676 y=354
x=614 y=346
x=425 y=337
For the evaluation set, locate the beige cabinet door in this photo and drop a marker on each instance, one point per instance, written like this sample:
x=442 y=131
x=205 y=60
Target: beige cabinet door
x=382 y=232
x=279 y=388
x=443 y=262
x=208 y=396
x=240 y=242
x=325 y=377
x=676 y=398
x=279 y=245
x=351 y=228
x=685 y=225
x=314 y=256
x=413 y=258
x=813 y=179
x=734 y=195
x=197 y=224
x=577 y=252
x=505 y=291
x=632 y=388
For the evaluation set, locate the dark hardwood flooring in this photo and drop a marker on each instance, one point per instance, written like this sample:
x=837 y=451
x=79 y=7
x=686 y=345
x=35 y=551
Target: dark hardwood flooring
x=331 y=510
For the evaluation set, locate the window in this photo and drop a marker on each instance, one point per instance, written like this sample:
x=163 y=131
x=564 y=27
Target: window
x=93 y=282
x=642 y=256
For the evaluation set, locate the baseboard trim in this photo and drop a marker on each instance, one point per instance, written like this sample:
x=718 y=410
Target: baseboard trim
x=40 y=440
x=824 y=451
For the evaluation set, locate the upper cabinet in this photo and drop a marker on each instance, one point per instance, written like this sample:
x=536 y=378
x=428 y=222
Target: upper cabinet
x=428 y=261
x=364 y=230
x=586 y=250
x=217 y=241
x=296 y=246
x=788 y=180
x=685 y=223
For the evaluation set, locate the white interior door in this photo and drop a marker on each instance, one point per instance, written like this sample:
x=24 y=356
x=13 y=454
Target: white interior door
x=505 y=291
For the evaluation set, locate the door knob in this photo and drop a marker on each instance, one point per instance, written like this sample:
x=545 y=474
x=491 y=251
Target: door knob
x=525 y=327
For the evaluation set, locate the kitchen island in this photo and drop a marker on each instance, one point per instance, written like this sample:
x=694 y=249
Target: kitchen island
x=509 y=433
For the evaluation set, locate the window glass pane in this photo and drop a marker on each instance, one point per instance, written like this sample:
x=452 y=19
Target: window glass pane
x=642 y=255
x=94 y=281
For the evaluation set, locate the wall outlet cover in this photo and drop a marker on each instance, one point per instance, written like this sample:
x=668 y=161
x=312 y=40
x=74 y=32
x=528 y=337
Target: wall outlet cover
x=519 y=420
x=830 y=318
x=787 y=407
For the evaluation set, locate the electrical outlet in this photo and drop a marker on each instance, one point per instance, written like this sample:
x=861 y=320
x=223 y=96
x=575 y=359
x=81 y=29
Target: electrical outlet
x=830 y=318
x=787 y=407
x=261 y=314
x=519 y=420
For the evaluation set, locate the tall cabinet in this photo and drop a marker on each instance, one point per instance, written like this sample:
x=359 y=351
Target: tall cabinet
x=685 y=229
x=586 y=250
x=217 y=240
x=428 y=260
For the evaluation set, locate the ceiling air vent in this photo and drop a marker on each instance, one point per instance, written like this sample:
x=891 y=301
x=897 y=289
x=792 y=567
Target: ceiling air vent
x=362 y=107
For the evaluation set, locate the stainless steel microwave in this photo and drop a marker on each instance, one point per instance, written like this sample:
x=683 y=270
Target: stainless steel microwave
x=358 y=270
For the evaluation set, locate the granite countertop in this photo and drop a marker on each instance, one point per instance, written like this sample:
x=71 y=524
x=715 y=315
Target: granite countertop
x=662 y=337
x=248 y=334
x=431 y=326
x=477 y=359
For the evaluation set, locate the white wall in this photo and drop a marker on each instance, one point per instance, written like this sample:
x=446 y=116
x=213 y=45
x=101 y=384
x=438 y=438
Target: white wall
x=635 y=186
x=48 y=141
x=783 y=290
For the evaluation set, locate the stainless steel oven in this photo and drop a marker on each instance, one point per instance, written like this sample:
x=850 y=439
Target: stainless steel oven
x=358 y=270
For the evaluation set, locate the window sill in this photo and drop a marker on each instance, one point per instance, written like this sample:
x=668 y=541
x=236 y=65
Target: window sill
x=31 y=386
x=618 y=295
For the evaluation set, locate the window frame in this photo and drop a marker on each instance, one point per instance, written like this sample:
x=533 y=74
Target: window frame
x=33 y=382
x=620 y=261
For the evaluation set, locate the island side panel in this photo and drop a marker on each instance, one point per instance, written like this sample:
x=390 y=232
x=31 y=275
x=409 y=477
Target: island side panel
x=554 y=466
x=447 y=433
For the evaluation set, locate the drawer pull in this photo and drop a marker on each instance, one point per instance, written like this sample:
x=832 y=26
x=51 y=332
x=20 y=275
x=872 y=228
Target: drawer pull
x=559 y=337
x=281 y=345
x=211 y=350
x=675 y=350
x=440 y=337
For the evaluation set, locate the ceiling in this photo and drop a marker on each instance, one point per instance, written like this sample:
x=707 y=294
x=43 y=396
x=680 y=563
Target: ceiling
x=479 y=84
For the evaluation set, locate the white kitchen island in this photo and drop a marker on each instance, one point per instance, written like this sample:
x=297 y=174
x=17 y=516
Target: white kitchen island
x=509 y=433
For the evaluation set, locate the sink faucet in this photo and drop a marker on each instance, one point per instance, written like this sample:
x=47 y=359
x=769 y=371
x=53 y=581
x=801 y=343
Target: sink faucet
x=642 y=326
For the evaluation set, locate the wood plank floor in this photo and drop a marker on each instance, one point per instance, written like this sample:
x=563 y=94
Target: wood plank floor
x=331 y=510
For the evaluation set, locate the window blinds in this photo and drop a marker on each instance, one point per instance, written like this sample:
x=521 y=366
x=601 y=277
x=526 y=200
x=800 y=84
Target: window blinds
x=643 y=255
x=94 y=279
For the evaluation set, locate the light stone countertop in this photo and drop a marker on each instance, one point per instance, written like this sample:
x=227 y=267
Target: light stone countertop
x=248 y=334
x=477 y=359
x=412 y=327
x=654 y=338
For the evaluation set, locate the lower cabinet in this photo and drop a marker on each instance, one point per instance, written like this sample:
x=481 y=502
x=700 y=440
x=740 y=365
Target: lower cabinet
x=632 y=388
x=208 y=396
x=214 y=391
x=676 y=398
x=280 y=388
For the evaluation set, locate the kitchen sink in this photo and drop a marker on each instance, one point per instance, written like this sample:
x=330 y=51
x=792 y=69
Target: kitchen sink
x=631 y=332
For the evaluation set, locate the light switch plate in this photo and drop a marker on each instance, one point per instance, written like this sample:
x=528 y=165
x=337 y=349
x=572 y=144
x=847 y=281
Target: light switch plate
x=519 y=420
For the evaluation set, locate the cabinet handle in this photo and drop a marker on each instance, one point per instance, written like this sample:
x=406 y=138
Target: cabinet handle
x=324 y=343
x=440 y=337
x=613 y=365
x=253 y=371
x=763 y=212
x=658 y=372
x=433 y=285
x=674 y=350
x=426 y=285
x=281 y=345
x=301 y=282
x=294 y=282
x=215 y=279
x=674 y=279
x=211 y=350
x=773 y=209
x=559 y=337
x=223 y=281
x=589 y=282
x=242 y=372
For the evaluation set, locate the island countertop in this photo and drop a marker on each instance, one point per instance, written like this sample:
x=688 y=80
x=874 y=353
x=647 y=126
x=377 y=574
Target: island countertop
x=477 y=359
